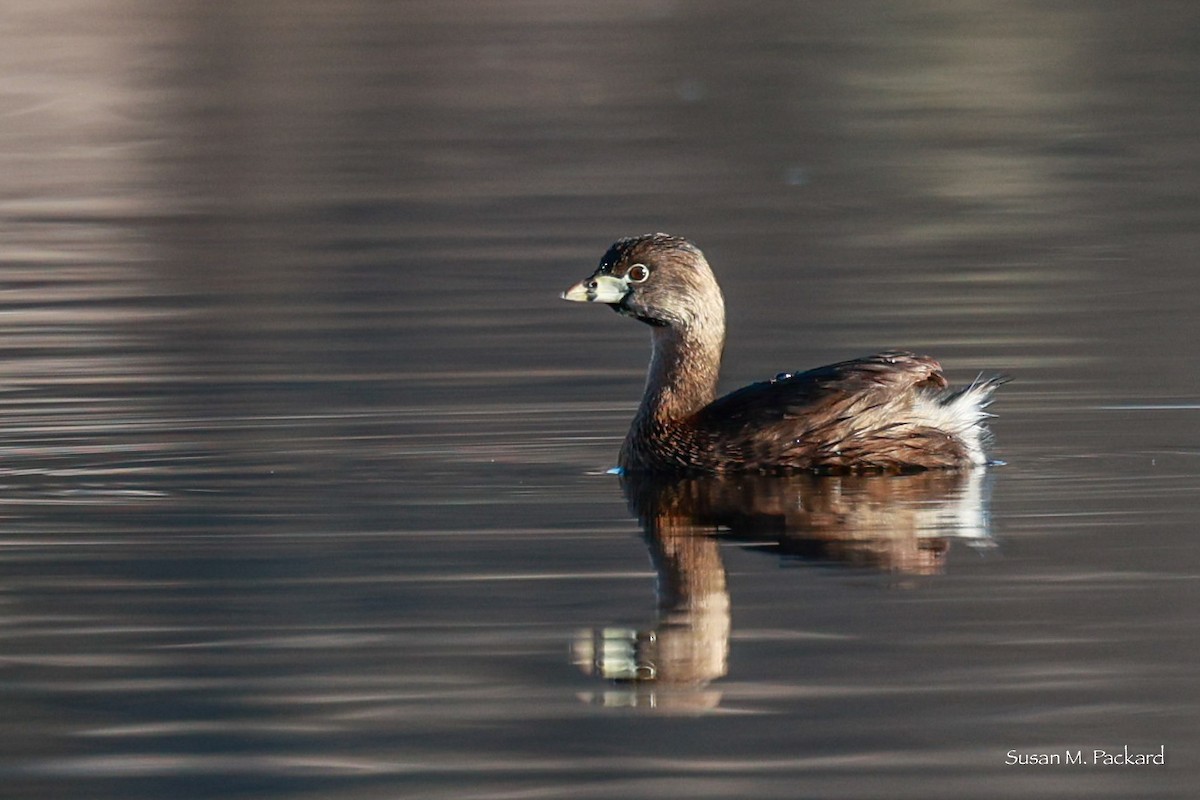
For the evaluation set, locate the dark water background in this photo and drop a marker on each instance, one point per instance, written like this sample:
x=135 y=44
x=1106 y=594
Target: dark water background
x=301 y=457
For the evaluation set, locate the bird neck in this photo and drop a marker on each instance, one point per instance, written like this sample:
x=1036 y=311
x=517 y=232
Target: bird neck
x=684 y=367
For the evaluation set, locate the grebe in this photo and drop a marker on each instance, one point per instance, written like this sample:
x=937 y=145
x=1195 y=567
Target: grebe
x=890 y=412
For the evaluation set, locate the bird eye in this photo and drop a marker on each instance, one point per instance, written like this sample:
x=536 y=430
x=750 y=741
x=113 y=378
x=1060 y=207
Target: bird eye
x=638 y=273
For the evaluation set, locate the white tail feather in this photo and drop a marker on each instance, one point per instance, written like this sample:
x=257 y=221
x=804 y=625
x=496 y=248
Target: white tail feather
x=960 y=413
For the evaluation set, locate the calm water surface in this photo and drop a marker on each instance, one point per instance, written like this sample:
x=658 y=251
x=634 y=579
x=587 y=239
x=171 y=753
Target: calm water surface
x=303 y=463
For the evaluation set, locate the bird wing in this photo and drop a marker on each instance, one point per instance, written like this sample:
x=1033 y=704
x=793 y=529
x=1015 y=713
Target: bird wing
x=831 y=416
x=826 y=390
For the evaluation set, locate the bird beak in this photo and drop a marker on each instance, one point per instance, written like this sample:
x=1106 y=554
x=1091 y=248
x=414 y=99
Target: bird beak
x=598 y=289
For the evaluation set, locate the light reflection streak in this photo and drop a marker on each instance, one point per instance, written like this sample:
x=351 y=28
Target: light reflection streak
x=157 y=764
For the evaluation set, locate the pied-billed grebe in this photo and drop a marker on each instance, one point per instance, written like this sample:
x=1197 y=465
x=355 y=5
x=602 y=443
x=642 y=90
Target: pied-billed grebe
x=890 y=412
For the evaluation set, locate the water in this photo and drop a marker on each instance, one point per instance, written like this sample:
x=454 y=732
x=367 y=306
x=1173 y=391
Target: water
x=304 y=463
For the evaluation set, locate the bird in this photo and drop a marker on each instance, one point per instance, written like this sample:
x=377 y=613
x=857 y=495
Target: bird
x=889 y=412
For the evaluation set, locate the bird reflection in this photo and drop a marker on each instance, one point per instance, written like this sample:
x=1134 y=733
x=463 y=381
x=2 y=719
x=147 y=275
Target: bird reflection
x=898 y=524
